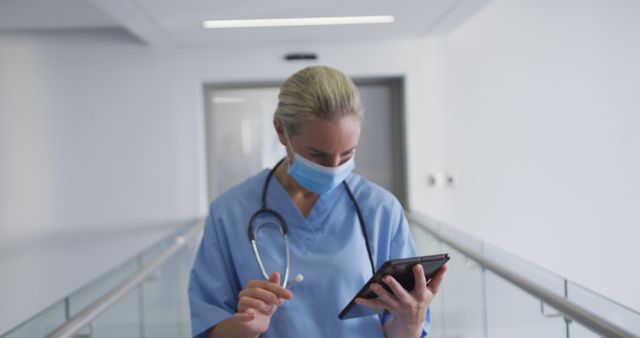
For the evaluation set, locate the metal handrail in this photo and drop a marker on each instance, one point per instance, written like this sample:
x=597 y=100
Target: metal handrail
x=91 y=312
x=569 y=309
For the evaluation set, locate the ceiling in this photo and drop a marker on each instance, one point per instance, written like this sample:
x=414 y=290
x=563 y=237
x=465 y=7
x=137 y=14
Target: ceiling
x=47 y=15
x=179 y=22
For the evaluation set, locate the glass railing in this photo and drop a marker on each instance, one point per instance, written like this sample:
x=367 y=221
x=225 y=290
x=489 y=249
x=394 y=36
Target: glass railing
x=156 y=307
x=478 y=302
x=475 y=302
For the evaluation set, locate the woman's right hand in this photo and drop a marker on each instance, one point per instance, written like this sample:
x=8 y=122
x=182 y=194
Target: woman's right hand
x=259 y=301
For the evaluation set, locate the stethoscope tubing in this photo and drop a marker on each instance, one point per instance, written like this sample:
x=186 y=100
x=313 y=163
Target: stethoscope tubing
x=284 y=229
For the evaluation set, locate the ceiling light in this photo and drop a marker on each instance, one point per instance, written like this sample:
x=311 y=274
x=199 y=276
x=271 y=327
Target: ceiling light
x=344 y=20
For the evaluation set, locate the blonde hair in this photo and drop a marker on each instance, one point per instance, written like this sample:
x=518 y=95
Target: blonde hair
x=317 y=93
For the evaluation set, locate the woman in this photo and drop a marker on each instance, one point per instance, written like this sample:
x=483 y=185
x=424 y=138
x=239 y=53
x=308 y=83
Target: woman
x=332 y=243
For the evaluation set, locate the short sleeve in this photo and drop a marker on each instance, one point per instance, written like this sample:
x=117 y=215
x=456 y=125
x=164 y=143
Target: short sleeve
x=212 y=287
x=402 y=246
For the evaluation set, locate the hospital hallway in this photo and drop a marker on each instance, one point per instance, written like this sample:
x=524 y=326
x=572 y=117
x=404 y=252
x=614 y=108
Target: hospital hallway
x=507 y=130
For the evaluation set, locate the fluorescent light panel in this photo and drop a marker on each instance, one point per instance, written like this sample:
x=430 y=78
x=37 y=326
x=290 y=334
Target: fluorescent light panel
x=343 y=20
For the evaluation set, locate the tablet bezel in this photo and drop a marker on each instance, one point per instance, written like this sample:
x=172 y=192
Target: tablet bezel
x=406 y=265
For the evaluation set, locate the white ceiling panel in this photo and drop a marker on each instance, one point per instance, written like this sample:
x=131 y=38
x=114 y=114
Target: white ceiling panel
x=180 y=21
x=51 y=14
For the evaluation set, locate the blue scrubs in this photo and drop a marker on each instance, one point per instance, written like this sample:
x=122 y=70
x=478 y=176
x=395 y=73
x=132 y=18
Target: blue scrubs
x=327 y=247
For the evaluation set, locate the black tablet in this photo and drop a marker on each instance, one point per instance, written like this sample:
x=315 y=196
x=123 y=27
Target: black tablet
x=402 y=271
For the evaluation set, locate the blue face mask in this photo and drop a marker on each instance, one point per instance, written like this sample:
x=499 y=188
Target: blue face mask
x=315 y=177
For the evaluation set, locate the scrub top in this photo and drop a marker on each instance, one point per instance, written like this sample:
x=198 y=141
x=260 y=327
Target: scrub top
x=327 y=248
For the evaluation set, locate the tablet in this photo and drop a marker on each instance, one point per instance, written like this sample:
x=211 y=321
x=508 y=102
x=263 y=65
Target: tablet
x=402 y=271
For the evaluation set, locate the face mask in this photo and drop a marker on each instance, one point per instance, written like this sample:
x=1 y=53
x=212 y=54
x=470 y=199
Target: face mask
x=315 y=177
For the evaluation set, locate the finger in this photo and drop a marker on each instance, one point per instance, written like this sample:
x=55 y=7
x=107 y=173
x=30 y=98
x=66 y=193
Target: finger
x=243 y=317
x=275 y=278
x=390 y=301
x=434 y=285
x=398 y=290
x=246 y=303
x=421 y=280
x=266 y=296
x=270 y=286
x=372 y=303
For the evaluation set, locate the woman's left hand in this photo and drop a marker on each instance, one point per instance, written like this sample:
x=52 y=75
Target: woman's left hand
x=409 y=309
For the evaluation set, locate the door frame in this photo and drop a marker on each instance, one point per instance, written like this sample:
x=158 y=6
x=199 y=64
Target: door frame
x=398 y=127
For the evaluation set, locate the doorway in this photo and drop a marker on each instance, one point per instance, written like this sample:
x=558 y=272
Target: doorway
x=240 y=140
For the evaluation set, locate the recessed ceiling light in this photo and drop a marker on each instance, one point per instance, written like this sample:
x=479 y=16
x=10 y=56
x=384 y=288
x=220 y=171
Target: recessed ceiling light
x=343 y=20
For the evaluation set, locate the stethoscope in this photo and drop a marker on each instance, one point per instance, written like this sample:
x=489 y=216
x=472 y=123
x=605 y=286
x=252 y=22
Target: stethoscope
x=284 y=229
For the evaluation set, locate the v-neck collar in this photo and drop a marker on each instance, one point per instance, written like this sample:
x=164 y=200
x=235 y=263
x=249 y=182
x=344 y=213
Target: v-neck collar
x=292 y=213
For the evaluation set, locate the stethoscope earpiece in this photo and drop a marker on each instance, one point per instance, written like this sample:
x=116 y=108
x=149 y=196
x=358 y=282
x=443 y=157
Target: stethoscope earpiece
x=299 y=278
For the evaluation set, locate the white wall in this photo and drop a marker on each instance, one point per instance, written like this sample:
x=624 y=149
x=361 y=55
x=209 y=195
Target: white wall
x=92 y=134
x=533 y=105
